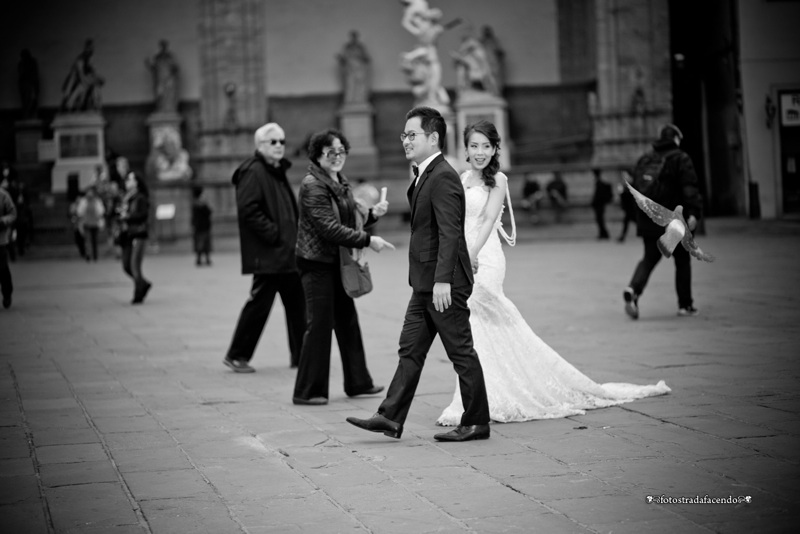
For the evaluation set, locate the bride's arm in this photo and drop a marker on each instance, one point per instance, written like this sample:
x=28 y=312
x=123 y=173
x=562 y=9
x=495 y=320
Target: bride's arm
x=488 y=216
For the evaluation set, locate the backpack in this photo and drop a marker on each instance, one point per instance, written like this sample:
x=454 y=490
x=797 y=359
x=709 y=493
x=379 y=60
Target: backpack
x=647 y=172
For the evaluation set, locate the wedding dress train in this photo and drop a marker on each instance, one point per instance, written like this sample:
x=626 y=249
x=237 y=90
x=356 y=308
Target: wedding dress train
x=525 y=378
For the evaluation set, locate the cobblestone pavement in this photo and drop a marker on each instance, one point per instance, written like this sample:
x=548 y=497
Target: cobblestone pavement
x=122 y=419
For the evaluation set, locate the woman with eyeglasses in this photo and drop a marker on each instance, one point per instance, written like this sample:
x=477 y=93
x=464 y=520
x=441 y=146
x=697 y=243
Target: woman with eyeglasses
x=329 y=219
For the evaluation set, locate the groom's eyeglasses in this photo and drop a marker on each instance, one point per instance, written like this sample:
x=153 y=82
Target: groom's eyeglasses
x=411 y=135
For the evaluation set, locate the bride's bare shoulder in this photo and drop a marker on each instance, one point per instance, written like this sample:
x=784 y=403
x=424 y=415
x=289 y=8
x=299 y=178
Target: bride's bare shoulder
x=501 y=178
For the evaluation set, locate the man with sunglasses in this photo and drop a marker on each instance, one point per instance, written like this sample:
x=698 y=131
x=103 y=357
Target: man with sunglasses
x=267 y=213
x=440 y=275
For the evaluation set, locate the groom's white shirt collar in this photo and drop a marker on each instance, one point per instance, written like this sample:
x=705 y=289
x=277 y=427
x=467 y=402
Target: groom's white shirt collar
x=424 y=165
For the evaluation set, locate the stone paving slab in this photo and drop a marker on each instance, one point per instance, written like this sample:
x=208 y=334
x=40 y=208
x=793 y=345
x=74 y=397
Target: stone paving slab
x=121 y=419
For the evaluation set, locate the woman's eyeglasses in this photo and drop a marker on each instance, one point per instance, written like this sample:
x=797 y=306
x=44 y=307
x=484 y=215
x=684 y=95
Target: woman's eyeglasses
x=411 y=135
x=331 y=155
x=274 y=142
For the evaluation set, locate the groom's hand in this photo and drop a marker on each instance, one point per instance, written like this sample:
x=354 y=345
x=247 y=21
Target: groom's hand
x=441 y=296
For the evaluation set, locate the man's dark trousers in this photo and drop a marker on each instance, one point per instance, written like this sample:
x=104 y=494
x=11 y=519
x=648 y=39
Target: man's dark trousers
x=422 y=324
x=256 y=312
x=683 y=270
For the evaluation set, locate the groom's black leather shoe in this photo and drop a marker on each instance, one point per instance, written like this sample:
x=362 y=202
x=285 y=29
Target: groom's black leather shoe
x=378 y=423
x=464 y=433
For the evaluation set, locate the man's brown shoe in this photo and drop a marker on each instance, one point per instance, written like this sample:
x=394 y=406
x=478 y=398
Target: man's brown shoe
x=464 y=433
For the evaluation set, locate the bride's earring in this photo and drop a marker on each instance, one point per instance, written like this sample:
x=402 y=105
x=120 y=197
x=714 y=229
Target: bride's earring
x=467 y=159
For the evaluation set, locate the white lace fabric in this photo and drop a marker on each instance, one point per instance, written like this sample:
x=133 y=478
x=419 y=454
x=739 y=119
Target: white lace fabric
x=525 y=378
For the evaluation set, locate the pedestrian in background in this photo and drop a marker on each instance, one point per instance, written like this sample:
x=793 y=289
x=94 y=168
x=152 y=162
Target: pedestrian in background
x=134 y=219
x=91 y=212
x=201 y=227
x=77 y=226
x=603 y=195
x=8 y=214
x=628 y=205
x=9 y=183
x=109 y=192
x=532 y=196
x=665 y=175
x=267 y=213
x=330 y=219
x=558 y=194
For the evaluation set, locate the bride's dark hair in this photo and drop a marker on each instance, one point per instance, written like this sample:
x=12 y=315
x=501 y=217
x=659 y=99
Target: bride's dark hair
x=486 y=128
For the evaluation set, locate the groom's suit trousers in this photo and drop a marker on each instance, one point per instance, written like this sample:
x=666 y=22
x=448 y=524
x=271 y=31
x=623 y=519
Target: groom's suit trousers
x=422 y=324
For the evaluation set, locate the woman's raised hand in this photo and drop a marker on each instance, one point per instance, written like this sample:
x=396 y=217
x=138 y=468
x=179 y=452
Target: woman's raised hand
x=380 y=209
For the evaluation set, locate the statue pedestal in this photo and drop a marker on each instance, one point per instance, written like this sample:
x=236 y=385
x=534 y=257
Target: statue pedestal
x=356 y=124
x=473 y=106
x=27 y=134
x=79 y=150
x=167 y=161
x=163 y=121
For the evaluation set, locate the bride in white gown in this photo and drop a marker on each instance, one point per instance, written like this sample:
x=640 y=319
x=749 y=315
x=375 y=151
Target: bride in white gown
x=525 y=378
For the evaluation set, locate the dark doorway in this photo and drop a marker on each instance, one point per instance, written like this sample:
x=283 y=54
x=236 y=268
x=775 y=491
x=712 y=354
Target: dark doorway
x=789 y=131
x=705 y=98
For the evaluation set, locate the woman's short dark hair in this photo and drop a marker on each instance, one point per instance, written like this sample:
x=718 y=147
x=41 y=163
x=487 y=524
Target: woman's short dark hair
x=431 y=121
x=324 y=139
x=486 y=128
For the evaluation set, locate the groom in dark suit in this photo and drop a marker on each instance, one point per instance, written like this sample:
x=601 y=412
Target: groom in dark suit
x=441 y=278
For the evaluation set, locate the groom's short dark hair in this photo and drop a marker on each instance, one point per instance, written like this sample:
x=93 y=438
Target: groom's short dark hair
x=431 y=121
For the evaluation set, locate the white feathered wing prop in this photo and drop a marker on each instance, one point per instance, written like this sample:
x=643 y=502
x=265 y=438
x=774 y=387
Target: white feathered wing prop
x=677 y=231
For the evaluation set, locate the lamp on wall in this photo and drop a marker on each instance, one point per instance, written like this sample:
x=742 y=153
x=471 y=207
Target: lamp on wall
x=770 y=110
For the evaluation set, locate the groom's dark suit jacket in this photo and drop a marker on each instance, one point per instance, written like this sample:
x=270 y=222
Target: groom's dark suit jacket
x=438 y=249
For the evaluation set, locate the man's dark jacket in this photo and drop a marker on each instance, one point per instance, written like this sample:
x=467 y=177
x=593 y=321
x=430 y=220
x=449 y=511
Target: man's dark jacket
x=677 y=184
x=267 y=212
x=438 y=251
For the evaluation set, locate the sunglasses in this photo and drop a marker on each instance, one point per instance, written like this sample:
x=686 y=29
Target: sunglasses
x=274 y=142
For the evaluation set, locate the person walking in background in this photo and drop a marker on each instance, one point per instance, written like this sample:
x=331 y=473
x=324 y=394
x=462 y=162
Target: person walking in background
x=532 y=196
x=330 y=223
x=557 y=193
x=603 y=195
x=24 y=224
x=440 y=275
x=91 y=212
x=134 y=219
x=8 y=214
x=109 y=192
x=77 y=226
x=628 y=205
x=201 y=227
x=8 y=182
x=267 y=213
x=525 y=378
x=665 y=175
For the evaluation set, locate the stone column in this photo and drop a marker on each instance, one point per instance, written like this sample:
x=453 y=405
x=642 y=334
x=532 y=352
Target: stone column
x=233 y=98
x=233 y=102
x=634 y=88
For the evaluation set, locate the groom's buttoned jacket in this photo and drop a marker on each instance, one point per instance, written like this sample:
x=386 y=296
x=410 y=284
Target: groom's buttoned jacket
x=438 y=250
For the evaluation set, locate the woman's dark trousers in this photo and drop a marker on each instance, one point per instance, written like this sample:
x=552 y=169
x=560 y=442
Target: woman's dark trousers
x=328 y=308
x=132 y=258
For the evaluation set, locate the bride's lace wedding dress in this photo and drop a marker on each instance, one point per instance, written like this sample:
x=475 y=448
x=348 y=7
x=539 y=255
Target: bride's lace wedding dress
x=525 y=378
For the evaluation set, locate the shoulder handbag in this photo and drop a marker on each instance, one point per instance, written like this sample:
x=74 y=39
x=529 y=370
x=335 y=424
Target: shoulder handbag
x=356 y=278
